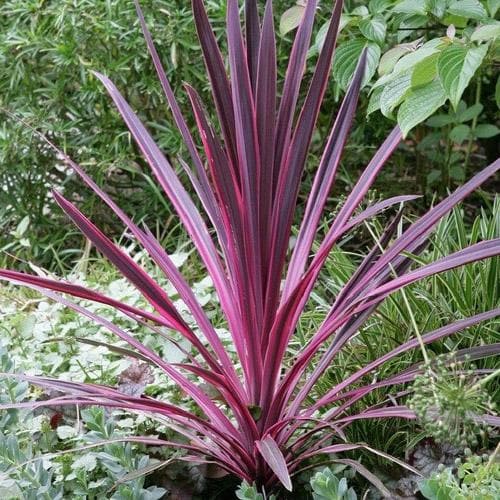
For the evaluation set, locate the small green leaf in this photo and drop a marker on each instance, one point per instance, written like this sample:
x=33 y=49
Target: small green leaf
x=373 y=29
x=456 y=66
x=420 y=104
x=470 y=9
x=347 y=56
x=438 y=121
x=470 y=113
x=486 y=32
x=291 y=19
x=486 y=130
x=425 y=71
x=459 y=133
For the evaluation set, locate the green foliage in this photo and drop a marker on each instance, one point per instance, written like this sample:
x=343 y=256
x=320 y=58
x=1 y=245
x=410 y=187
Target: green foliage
x=47 y=52
x=478 y=478
x=449 y=400
x=249 y=492
x=327 y=486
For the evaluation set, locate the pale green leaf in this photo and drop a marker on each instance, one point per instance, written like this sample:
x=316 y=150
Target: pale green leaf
x=390 y=58
x=456 y=66
x=291 y=19
x=459 y=133
x=486 y=32
x=380 y=6
x=410 y=23
x=425 y=71
x=493 y=6
x=420 y=104
x=470 y=113
x=347 y=56
x=486 y=130
x=410 y=7
x=394 y=92
x=374 y=102
x=436 y=7
x=373 y=29
x=470 y=9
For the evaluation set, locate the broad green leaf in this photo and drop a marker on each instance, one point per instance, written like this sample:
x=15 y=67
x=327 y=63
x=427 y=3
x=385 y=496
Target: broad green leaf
x=380 y=6
x=456 y=66
x=410 y=23
x=493 y=6
x=471 y=9
x=347 y=56
x=394 y=92
x=407 y=62
x=457 y=21
x=420 y=104
x=410 y=7
x=459 y=133
x=486 y=130
x=374 y=102
x=291 y=19
x=373 y=29
x=436 y=7
x=470 y=113
x=425 y=71
x=362 y=11
x=486 y=32
x=391 y=57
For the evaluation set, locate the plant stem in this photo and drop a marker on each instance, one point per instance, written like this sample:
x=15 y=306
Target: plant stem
x=473 y=127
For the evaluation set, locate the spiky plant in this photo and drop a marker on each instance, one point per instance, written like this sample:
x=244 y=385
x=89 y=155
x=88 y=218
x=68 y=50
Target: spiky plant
x=260 y=427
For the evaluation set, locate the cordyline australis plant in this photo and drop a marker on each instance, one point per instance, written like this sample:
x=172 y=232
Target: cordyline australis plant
x=260 y=427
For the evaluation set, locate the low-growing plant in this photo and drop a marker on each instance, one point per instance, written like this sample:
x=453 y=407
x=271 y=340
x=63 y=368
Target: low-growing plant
x=476 y=478
x=252 y=418
x=327 y=486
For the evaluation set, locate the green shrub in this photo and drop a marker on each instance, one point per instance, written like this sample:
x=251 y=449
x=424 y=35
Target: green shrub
x=47 y=50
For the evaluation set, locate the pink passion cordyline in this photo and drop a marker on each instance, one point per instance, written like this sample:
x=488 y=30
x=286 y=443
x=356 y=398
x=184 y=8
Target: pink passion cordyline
x=260 y=428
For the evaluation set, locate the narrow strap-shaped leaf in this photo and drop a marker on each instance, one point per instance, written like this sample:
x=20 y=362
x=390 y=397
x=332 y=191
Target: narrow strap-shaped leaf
x=252 y=37
x=294 y=156
x=125 y=264
x=423 y=226
x=274 y=458
x=324 y=178
x=218 y=78
x=249 y=163
x=479 y=251
x=206 y=196
x=291 y=87
x=201 y=399
x=223 y=179
x=265 y=105
x=428 y=338
x=183 y=204
x=83 y=293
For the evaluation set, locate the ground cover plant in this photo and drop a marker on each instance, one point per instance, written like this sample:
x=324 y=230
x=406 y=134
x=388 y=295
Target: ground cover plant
x=257 y=426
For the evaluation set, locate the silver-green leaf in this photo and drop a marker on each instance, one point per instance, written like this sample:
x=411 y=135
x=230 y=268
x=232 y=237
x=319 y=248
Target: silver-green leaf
x=456 y=66
x=420 y=104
